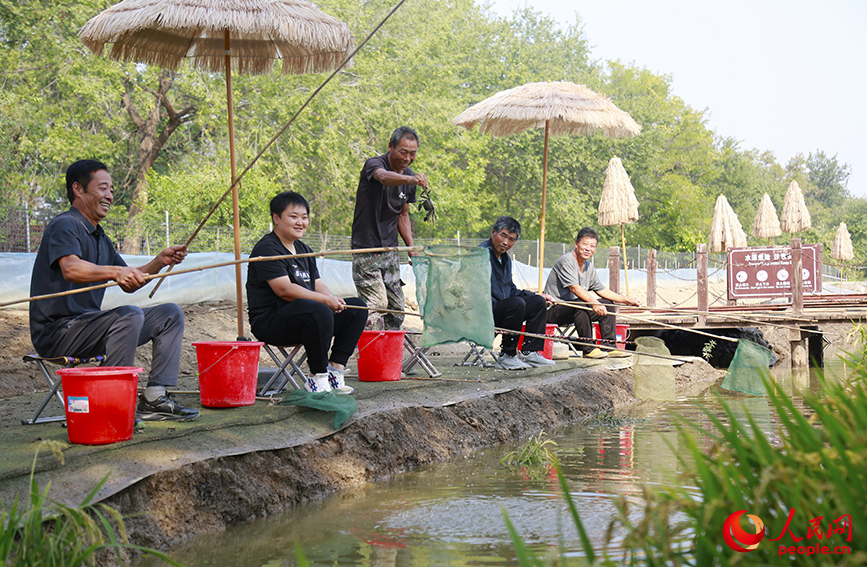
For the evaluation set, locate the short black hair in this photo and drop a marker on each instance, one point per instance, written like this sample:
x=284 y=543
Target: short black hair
x=81 y=172
x=587 y=231
x=507 y=223
x=286 y=198
x=400 y=134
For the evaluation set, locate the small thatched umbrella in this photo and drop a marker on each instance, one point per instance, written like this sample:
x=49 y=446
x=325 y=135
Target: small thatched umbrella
x=618 y=204
x=562 y=108
x=766 y=225
x=219 y=35
x=842 y=249
x=725 y=229
x=795 y=216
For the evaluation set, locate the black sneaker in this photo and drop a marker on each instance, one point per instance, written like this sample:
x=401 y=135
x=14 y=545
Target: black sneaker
x=164 y=408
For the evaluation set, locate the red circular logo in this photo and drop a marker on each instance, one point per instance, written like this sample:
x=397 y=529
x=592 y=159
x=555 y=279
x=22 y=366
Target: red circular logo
x=737 y=538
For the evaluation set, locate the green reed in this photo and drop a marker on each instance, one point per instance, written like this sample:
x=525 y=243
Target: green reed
x=816 y=465
x=44 y=533
x=535 y=452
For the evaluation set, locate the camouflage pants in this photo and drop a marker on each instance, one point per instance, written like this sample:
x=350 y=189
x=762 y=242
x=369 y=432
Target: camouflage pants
x=377 y=281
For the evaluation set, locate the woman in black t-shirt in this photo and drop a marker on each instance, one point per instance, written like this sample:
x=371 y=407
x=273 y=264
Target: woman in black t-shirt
x=289 y=304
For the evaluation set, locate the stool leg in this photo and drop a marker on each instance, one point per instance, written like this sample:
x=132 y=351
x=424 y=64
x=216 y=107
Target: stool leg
x=53 y=392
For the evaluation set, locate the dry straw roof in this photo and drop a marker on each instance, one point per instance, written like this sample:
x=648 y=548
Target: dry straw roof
x=725 y=229
x=618 y=204
x=795 y=216
x=569 y=109
x=766 y=225
x=842 y=249
x=165 y=32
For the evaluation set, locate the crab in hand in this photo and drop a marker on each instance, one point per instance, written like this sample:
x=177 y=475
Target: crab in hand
x=426 y=203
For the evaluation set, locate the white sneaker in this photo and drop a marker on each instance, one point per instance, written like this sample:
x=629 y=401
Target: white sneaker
x=511 y=362
x=335 y=380
x=318 y=383
x=535 y=359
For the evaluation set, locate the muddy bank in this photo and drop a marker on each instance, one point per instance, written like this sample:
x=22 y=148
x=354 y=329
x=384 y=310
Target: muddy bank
x=212 y=494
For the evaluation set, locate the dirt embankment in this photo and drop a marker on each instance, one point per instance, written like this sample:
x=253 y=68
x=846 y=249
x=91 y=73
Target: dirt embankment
x=211 y=495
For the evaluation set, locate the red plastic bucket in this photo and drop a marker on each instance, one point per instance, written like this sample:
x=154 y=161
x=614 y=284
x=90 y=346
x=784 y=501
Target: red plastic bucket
x=621 y=333
x=100 y=403
x=228 y=372
x=380 y=355
x=548 y=347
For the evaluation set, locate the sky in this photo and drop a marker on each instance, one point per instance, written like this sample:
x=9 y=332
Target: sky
x=788 y=76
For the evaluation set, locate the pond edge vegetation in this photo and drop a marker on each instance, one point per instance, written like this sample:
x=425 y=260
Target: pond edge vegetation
x=807 y=478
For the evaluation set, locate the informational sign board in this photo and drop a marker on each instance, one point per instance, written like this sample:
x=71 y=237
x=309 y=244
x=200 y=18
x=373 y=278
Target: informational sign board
x=766 y=271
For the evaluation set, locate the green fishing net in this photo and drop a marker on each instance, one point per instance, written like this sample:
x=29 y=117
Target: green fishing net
x=453 y=288
x=342 y=404
x=745 y=372
x=654 y=377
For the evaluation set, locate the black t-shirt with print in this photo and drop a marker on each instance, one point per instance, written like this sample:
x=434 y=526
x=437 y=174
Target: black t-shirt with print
x=261 y=298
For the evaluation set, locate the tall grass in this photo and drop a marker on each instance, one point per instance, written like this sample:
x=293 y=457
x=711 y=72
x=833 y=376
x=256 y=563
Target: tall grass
x=43 y=533
x=817 y=469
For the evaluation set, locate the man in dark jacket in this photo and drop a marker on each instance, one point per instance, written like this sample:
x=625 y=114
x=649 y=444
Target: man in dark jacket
x=513 y=306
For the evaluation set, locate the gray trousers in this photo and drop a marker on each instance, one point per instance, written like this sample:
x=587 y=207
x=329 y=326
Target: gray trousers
x=117 y=333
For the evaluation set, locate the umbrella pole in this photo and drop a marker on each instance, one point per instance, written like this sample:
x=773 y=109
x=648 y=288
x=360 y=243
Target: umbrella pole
x=236 y=209
x=625 y=266
x=544 y=196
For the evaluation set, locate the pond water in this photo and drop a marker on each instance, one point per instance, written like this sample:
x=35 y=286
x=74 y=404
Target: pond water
x=452 y=513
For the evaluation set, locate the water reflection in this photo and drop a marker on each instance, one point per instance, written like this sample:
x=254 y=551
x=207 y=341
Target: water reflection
x=452 y=514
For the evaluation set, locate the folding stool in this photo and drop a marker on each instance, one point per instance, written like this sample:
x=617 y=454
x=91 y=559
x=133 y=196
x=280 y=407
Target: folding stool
x=417 y=355
x=283 y=376
x=476 y=357
x=53 y=383
x=567 y=331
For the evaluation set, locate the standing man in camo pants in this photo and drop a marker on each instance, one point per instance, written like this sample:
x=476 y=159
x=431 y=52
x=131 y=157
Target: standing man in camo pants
x=386 y=188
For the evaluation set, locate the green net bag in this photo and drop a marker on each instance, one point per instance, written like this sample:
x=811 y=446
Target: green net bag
x=453 y=289
x=745 y=371
x=654 y=377
x=343 y=405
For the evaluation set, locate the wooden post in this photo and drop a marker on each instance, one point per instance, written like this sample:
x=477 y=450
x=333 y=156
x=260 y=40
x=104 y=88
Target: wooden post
x=614 y=269
x=651 y=278
x=797 y=278
x=817 y=277
x=798 y=338
x=701 y=277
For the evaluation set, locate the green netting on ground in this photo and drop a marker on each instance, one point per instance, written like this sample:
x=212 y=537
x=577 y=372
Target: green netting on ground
x=453 y=288
x=343 y=405
x=745 y=372
x=654 y=377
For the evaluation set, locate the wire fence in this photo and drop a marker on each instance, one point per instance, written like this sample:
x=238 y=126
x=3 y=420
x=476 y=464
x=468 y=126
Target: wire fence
x=21 y=231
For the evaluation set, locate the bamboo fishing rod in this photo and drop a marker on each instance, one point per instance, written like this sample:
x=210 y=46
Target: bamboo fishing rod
x=575 y=340
x=568 y=340
x=731 y=317
x=166 y=274
x=382 y=310
x=714 y=313
x=313 y=95
x=650 y=321
x=763 y=323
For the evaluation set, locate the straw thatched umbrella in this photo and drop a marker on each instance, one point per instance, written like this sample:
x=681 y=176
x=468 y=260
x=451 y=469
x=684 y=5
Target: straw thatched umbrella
x=725 y=228
x=618 y=204
x=842 y=249
x=795 y=216
x=766 y=225
x=220 y=35
x=562 y=108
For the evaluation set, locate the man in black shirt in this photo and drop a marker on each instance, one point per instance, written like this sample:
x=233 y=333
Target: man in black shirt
x=74 y=253
x=513 y=306
x=289 y=303
x=386 y=187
